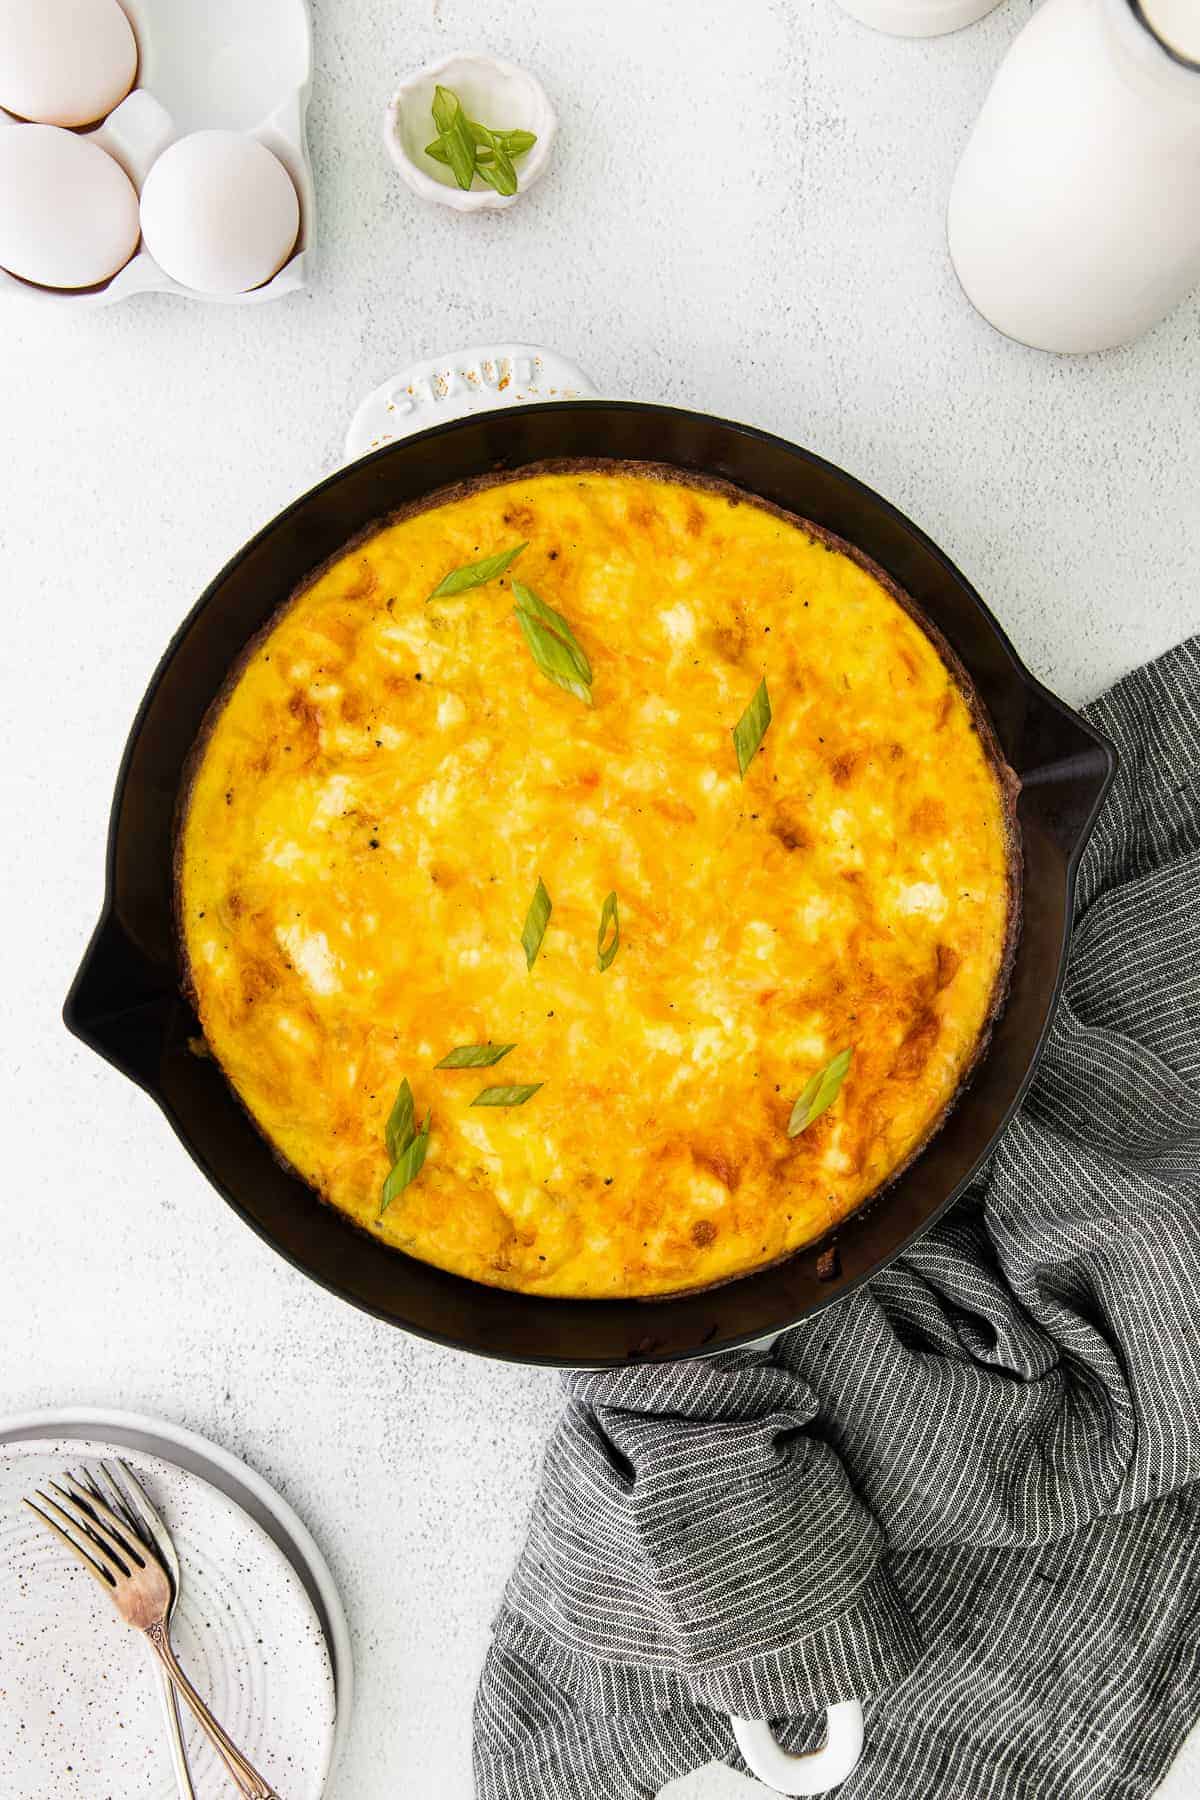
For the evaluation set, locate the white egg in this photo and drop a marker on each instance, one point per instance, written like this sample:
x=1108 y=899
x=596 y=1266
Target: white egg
x=65 y=62
x=68 y=211
x=219 y=212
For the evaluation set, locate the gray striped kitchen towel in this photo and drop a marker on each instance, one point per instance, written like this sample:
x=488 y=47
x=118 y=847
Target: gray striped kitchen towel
x=968 y=1494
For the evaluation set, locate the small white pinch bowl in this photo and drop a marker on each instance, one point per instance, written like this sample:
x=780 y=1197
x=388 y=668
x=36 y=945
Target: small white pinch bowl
x=494 y=92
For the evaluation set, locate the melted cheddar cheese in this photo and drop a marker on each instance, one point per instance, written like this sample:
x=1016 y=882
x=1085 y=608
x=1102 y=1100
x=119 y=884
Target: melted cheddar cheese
x=388 y=776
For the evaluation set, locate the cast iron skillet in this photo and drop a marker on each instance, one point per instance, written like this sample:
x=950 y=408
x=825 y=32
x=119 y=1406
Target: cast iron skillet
x=126 y=1002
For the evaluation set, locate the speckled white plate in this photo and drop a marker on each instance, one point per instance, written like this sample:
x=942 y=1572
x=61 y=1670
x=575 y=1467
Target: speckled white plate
x=79 y=1712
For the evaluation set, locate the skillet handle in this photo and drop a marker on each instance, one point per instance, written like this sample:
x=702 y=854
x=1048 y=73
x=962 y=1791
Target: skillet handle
x=814 y=1773
x=121 y=1000
x=481 y=379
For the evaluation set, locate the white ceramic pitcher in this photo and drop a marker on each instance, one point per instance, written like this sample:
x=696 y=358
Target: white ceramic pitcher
x=918 y=18
x=1074 y=219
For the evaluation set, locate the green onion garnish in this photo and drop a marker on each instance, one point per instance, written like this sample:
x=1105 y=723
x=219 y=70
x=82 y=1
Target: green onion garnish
x=751 y=728
x=517 y=143
x=819 y=1093
x=406 y=1146
x=506 y=1096
x=552 y=644
x=454 y=135
x=474 y=1056
x=536 y=921
x=470 y=149
x=400 y=1127
x=407 y=1167
x=608 y=916
x=493 y=160
x=474 y=575
x=512 y=143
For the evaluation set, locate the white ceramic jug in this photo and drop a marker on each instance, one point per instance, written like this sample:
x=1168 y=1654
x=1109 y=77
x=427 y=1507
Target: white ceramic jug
x=919 y=18
x=1074 y=218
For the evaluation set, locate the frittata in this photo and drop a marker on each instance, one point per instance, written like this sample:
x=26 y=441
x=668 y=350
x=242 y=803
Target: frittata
x=658 y=808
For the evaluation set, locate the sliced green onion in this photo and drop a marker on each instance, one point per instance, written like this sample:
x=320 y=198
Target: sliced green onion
x=400 y=1127
x=470 y=149
x=454 y=133
x=552 y=644
x=474 y=575
x=474 y=1056
x=819 y=1093
x=516 y=142
x=536 y=921
x=407 y=1166
x=608 y=916
x=406 y=1146
x=446 y=106
x=751 y=728
x=533 y=604
x=497 y=171
x=506 y=1096
x=493 y=163
x=439 y=152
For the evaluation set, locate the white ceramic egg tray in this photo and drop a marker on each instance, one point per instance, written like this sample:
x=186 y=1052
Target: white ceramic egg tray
x=229 y=65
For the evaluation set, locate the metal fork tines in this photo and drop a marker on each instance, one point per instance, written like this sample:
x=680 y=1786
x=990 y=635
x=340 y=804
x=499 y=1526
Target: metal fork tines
x=117 y=1483
x=102 y=1537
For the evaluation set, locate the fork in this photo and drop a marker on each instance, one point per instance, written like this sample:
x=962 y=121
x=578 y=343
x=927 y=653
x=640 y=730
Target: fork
x=129 y=1500
x=139 y=1587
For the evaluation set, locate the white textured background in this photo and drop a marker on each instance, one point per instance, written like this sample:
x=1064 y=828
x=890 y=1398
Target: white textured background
x=744 y=214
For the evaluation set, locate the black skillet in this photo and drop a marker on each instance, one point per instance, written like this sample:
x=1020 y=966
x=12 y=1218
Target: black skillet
x=126 y=1002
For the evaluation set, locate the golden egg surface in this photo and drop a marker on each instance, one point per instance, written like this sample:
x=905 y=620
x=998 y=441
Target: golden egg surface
x=387 y=777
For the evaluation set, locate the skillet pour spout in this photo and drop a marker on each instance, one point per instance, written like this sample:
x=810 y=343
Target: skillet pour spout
x=127 y=1003
x=120 y=1002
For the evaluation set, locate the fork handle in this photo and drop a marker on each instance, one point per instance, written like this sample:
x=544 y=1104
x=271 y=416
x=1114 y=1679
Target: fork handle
x=178 y=1749
x=245 y=1777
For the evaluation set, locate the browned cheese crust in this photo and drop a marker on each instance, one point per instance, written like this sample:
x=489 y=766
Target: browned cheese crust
x=383 y=778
